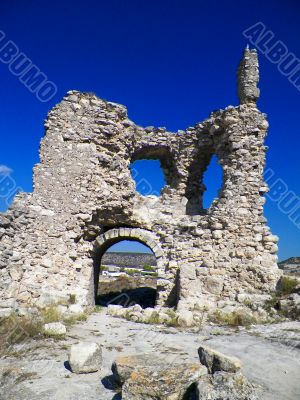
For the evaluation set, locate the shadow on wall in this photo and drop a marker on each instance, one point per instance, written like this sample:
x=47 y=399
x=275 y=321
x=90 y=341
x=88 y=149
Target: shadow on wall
x=144 y=296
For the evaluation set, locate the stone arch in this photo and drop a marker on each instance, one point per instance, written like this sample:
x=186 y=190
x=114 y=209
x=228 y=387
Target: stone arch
x=115 y=235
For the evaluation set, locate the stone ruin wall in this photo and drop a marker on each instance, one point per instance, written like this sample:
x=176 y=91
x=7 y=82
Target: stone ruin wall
x=84 y=200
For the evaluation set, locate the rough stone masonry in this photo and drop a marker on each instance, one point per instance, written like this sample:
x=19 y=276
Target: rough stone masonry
x=85 y=200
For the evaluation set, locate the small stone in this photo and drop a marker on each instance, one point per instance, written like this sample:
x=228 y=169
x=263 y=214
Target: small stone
x=217 y=234
x=85 y=357
x=271 y=238
x=46 y=262
x=55 y=329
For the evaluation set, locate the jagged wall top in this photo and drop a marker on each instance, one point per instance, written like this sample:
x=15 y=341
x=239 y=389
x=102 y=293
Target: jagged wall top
x=85 y=199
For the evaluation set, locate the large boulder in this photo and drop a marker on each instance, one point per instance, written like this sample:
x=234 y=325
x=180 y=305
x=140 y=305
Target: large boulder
x=216 y=361
x=162 y=383
x=85 y=357
x=145 y=377
x=123 y=367
x=226 y=386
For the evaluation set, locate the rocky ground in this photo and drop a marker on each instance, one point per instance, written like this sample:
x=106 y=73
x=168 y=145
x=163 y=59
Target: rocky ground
x=39 y=370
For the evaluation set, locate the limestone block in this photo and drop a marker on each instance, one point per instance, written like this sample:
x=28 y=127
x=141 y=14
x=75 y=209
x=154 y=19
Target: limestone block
x=55 y=329
x=229 y=386
x=188 y=271
x=146 y=377
x=214 y=284
x=216 y=361
x=46 y=262
x=85 y=357
x=217 y=234
x=185 y=318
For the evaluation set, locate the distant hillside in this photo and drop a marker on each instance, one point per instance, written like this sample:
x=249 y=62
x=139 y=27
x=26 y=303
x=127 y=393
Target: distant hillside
x=291 y=266
x=123 y=259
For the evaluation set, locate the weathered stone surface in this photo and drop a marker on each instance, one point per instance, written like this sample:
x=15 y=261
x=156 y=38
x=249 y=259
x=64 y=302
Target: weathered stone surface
x=216 y=361
x=125 y=365
x=55 y=328
x=248 y=76
x=85 y=357
x=185 y=318
x=85 y=200
x=115 y=310
x=147 y=377
x=226 y=386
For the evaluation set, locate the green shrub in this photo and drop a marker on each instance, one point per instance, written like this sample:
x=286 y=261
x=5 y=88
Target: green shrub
x=148 y=273
x=132 y=271
x=173 y=318
x=234 y=318
x=272 y=303
x=50 y=314
x=73 y=318
x=287 y=285
x=148 y=268
x=154 y=318
x=72 y=298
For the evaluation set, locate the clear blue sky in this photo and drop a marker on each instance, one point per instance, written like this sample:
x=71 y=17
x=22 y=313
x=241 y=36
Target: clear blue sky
x=170 y=62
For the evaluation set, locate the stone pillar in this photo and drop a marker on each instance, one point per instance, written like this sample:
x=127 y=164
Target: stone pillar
x=248 y=77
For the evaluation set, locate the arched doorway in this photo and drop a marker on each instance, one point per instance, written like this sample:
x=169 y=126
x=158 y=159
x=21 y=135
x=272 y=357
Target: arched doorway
x=127 y=284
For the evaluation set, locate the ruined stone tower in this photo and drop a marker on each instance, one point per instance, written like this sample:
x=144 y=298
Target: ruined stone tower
x=85 y=200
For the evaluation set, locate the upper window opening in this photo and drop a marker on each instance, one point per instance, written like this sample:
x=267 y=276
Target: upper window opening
x=148 y=176
x=153 y=168
x=213 y=179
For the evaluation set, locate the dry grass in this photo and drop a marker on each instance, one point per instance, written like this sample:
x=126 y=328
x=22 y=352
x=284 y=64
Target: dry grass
x=19 y=329
x=15 y=330
x=74 y=318
x=50 y=314
x=234 y=318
